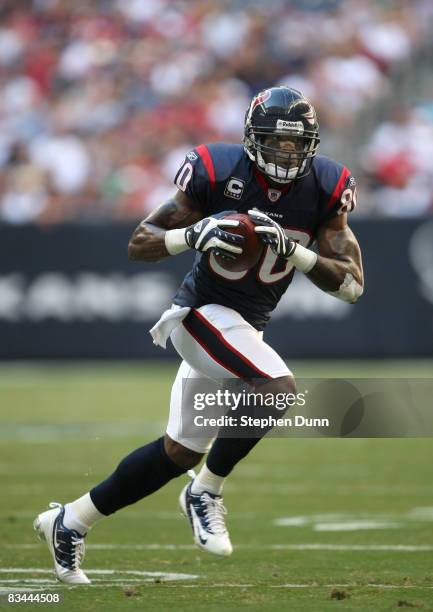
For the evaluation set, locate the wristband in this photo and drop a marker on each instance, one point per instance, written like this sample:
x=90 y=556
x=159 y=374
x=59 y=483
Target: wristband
x=175 y=241
x=303 y=259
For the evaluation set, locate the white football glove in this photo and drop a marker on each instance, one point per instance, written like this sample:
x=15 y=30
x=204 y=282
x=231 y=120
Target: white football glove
x=207 y=235
x=272 y=233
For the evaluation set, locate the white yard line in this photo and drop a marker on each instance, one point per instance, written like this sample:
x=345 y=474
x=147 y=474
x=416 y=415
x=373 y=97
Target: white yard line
x=357 y=521
x=104 y=572
x=355 y=526
x=43 y=584
x=349 y=586
x=357 y=547
x=306 y=547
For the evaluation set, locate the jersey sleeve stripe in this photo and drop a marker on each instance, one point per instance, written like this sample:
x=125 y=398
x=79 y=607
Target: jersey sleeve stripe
x=203 y=151
x=213 y=342
x=336 y=194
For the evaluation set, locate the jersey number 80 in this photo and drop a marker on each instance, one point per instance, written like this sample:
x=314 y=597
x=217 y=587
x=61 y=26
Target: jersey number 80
x=266 y=273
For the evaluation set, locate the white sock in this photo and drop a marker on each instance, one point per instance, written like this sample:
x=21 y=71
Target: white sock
x=81 y=514
x=207 y=481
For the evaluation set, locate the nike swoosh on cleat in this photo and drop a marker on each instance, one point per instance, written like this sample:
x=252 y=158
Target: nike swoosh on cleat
x=198 y=530
x=55 y=541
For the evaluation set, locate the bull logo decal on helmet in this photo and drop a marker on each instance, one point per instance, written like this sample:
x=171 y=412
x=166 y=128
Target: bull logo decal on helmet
x=260 y=98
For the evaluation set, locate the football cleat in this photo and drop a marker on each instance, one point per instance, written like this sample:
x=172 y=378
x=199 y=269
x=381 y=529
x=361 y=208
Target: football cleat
x=205 y=513
x=65 y=545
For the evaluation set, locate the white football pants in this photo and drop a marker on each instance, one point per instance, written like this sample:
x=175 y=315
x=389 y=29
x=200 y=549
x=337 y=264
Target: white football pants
x=215 y=343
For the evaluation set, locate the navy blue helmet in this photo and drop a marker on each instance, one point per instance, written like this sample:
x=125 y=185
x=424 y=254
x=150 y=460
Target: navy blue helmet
x=281 y=133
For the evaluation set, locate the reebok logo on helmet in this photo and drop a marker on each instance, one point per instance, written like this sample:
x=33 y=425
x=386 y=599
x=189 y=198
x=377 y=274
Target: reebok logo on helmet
x=298 y=126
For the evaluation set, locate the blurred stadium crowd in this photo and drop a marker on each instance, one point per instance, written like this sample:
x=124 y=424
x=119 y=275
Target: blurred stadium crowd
x=101 y=100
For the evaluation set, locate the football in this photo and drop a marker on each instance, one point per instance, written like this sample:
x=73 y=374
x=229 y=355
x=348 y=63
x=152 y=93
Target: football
x=252 y=246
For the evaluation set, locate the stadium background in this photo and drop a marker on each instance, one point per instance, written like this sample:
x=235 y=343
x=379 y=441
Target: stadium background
x=99 y=103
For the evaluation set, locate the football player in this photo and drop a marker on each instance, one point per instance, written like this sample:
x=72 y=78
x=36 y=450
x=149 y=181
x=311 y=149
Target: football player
x=295 y=198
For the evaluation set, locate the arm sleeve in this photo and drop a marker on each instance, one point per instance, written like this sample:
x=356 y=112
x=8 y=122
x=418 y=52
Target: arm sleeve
x=193 y=179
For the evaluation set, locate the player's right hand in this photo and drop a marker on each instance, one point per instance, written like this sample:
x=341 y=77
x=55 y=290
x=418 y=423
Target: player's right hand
x=208 y=234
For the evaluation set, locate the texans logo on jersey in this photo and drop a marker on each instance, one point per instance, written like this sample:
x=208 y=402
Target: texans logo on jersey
x=274 y=194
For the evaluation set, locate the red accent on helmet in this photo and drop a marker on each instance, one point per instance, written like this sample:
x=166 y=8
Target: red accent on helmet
x=262 y=97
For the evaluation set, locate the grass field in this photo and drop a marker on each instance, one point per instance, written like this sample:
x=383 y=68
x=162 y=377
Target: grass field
x=317 y=524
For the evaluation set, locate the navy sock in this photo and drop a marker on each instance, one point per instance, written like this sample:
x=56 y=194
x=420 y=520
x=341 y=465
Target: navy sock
x=227 y=449
x=141 y=473
x=227 y=452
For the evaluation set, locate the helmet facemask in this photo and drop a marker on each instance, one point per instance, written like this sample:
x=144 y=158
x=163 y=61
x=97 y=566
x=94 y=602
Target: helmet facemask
x=284 y=157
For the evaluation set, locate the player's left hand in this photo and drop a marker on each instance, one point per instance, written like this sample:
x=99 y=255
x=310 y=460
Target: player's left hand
x=272 y=233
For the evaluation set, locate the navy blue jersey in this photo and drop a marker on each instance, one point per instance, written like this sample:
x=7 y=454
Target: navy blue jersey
x=221 y=177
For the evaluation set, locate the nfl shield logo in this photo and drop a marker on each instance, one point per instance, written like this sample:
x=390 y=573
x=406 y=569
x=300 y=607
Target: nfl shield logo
x=274 y=194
